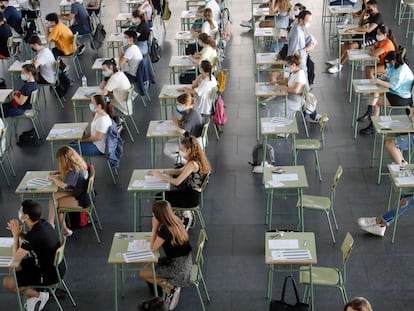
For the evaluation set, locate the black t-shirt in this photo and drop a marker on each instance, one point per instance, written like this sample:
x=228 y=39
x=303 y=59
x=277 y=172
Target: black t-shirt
x=375 y=19
x=144 y=30
x=5 y=33
x=41 y=242
x=172 y=251
x=26 y=90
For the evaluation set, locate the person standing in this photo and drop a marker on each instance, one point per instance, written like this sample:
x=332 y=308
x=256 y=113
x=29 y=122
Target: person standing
x=297 y=38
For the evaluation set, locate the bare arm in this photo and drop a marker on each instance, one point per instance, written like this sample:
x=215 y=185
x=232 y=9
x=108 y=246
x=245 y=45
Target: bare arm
x=296 y=89
x=186 y=171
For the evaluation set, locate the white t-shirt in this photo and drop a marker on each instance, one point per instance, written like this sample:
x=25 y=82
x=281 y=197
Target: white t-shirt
x=133 y=56
x=208 y=53
x=100 y=124
x=119 y=84
x=3 y=138
x=205 y=91
x=206 y=28
x=295 y=100
x=46 y=62
x=215 y=9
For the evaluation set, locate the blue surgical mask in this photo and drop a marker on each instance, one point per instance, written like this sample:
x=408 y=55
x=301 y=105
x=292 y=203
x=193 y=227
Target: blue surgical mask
x=379 y=37
x=388 y=65
x=288 y=69
x=180 y=109
x=124 y=41
x=92 y=107
x=23 y=77
x=106 y=74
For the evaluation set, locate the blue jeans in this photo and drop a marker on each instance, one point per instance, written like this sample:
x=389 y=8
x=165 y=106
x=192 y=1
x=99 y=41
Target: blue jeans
x=11 y=111
x=405 y=204
x=81 y=29
x=87 y=148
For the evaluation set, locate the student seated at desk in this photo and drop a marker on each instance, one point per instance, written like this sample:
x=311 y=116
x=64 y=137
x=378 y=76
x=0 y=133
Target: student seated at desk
x=131 y=57
x=399 y=79
x=95 y=143
x=142 y=29
x=174 y=270
x=21 y=98
x=60 y=34
x=44 y=61
x=12 y=17
x=208 y=52
x=72 y=177
x=36 y=255
x=358 y=304
x=191 y=123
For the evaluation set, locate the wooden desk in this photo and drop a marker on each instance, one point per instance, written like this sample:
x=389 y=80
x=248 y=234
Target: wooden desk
x=294 y=178
x=123 y=20
x=65 y=8
x=178 y=64
x=66 y=132
x=15 y=70
x=390 y=125
x=258 y=13
x=187 y=18
x=305 y=244
x=142 y=190
x=160 y=129
x=120 y=246
x=345 y=36
x=133 y=3
x=366 y=87
x=97 y=67
x=264 y=33
x=335 y=11
x=168 y=96
x=183 y=38
x=268 y=59
x=113 y=42
x=81 y=100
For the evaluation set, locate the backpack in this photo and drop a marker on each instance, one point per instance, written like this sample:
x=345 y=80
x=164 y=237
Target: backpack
x=99 y=36
x=226 y=22
x=220 y=116
x=221 y=81
x=64 y=84
x=154 y=304
x=309 y=105
x=114 y=146
x=166 y=13
x=155 y=51
x=30 y=30
x=258 y=157
x=29 y=138
x=310 y=65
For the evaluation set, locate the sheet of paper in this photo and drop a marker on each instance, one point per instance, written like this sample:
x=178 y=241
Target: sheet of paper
x=385 y=118
x=156 y=185
x=270 y=125
x=284 y=177
x=5 y=261
x=38 y=182
x=138 y=183
x=368 y=87
x=138 y=245
x=395 y=168
x=405 y=180
x=283 y=244
x=64 y=132
x=275 y=184
x=283 y=121
x=137 y=256
x=293 y=255
x=6 y=242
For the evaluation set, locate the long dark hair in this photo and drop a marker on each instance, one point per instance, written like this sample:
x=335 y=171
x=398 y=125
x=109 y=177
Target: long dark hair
x=395 y=56
x=107 y=106
x=111 y=63
x=31 y=69
x=206 y=66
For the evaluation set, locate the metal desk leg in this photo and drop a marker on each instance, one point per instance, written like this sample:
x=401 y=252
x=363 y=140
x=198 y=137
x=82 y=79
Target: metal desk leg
x=19 y=299
x=270 y=282
x=302 y=221
x=396 y=216
x=374 y=146
x=140 y=211
x=257 y=118
x=294 y=149
x=116 y=286
x=57 y=218
x=270 y=210
x=154 y=280
x=356 y=112
x=381 y=156
x=75 y=117
x=152 y=153
x=311 y=288
x=134 y=211
x=51 y=152
x=350 y=81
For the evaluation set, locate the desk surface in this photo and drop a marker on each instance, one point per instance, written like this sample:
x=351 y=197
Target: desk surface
x=17 y=65
x=181 y=61
x=115 y=37
x=342 y=30
x=120 y=246
x=162 y=128
x=266 y=32
x=360 y=55
x=368 y=86
x=80 y=94
x=139 y=175
x=395 y=124
x=287 y=178
x=97 y=64
x=26 y=188
x=402 y=178
x=169 y=91
x=67 y=131
x=341 y=9
x=267 y=127
x=263 y=89
x=268 y=58
x=188 y=14
x=257 y=12
x=123 y=17
x=8 y=252
x=4 y=93
x=305 y=242
x=184 y=36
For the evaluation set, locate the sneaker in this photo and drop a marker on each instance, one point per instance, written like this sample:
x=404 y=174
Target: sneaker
x=375 y=230
x=367 y=221
x=335 y=69
x=67 y=233
x=317 y=118
x=44 y=297
x=333 y=62
x=403 y=164
x=246 y=24
x=81 y=49
x=187 y=218
x=33 y=304
x=175 y=292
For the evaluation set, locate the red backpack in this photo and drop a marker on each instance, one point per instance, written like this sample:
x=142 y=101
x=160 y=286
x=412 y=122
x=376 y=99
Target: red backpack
x=220 y=117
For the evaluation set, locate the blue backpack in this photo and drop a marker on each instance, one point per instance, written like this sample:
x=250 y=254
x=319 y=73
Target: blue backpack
x=114 y=146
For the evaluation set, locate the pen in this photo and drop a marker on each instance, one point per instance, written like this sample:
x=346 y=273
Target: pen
x=305 y=243
x=27 y=189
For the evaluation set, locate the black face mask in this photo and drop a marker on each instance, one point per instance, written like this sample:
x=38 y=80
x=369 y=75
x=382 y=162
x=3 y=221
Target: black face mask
x=369 y=11
x=2 y=7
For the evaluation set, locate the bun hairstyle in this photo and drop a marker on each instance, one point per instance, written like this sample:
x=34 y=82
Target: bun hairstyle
x=206 y=39
x=206 y=66
x=294 y=59
x=111 y=63
x=186 y=99
x=106 y=105
x=31 y=69
x=300 y=6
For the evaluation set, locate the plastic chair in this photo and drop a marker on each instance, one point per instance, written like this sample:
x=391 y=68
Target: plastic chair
x=59 y=258
x=324 y=204
x=197 y=209
x=4 y=152
x=129 y=114
x=91 y=210
x=74 y=56
x=315 y=145
x=329 y=277
x=54 y=85
x=196 y=271
x=32 y=114
x=10 y=49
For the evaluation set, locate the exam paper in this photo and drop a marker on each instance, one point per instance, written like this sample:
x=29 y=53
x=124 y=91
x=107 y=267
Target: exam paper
x=292 y=255
x=405 y=180
x=138 y=245
x=283 y=244
x=284 y=177
x=6 y=242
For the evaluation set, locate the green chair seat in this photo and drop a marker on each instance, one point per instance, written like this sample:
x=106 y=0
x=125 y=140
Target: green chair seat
x=194 y=274
x=308 y=144
x=320 y=276
x=315 y=202
x=29 y=113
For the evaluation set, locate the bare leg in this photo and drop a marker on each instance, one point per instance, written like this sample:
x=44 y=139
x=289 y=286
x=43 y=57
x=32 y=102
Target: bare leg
x=146 y=275
x=67 y=201
x=394 y=152
x=8 y=284
x=58 y=196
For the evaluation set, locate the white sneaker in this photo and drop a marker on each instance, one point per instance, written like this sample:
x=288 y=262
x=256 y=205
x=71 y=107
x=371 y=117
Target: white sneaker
x=246 y=24
x=187 y=219
x=333 y=62
x=33 y=304
x=44 y=297
x=335 y=69
x=175 y=298
x=367 y=221
x=375 y=230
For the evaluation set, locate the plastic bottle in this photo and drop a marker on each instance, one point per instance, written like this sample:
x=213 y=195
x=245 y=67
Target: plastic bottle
x=84 y=82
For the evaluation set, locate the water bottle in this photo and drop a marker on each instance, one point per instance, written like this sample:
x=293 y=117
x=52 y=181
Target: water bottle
x=84 y=82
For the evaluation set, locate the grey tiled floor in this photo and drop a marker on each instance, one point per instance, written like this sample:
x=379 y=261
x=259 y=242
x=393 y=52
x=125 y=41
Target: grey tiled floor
x=234 y=202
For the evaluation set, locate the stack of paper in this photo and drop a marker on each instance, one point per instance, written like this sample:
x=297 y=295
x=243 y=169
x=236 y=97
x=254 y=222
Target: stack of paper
x=38 y=182
x=155 y=182
x=6 y=242
x=291 y=255
x=5 y=261
x=137 y=256
x=284 y=177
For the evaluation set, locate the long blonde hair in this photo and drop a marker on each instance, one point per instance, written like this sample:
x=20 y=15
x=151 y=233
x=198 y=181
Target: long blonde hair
x=163 y=212
x=69 y=159
x=196 y=154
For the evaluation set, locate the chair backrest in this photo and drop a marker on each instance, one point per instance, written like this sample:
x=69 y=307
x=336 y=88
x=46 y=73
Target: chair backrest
x=205 y=182
x=337 y=177
x=346 y=247
x=10 y=45
x=75 y=39
x=34 y=100
x=4 y=141
x=57 y=69
x=60 y=253
x=91 y=179
x=322 y=124
x=204 y=133
x=129 y=100
x=200 y=246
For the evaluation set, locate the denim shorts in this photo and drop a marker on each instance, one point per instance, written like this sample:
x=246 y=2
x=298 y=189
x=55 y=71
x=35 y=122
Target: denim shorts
x=402 y=142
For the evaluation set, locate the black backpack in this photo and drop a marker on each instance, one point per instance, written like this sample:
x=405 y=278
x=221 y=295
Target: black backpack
x=29 y=138
x=64 y=84
x=310 y=65
x=155 y=51
x=99 y=36
x=30 y=30
x=258 y=157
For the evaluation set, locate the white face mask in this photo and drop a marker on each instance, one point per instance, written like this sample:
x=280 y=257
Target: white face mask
x=379 y=37
x=307 y=25
x=20 y=215
x=92 y=107
x=183 y=154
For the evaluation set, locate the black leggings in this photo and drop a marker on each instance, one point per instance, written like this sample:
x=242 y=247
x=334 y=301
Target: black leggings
x=183 y=198
x=396 y=100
